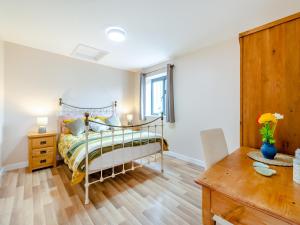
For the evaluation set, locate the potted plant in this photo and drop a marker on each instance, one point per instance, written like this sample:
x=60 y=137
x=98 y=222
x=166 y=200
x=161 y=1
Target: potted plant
x=268 y=122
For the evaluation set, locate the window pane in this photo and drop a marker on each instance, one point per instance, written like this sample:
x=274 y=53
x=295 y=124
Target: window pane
x=157 y=96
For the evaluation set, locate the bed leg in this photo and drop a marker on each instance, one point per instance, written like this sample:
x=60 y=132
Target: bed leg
x=162 y=144
x=87 y=200
x=162 y=162
x=86 y=185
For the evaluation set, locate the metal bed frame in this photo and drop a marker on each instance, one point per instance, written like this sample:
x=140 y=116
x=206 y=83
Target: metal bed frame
x=111 y=109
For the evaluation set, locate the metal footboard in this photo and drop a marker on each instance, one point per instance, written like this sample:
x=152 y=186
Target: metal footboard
x=155 y=126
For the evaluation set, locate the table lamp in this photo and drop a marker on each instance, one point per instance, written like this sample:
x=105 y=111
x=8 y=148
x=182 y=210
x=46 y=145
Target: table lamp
x=129 y=119
x=42 y=122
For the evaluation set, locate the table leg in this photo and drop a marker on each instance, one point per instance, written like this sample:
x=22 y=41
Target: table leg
x=207 y=216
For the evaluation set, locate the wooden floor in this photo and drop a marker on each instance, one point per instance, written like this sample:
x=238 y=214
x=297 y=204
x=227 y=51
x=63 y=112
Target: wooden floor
x=143 y=196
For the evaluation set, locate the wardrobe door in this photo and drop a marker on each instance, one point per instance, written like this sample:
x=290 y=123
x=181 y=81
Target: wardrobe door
x=291 y=92
x=270 y=82
x=251 y=87
x=274 y=80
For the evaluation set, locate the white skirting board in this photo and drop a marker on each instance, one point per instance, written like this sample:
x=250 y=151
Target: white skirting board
x=186 y=158
x=14 y=166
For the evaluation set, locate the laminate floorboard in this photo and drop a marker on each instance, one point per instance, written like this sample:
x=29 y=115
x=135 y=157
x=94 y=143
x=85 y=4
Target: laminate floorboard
x=140 y=197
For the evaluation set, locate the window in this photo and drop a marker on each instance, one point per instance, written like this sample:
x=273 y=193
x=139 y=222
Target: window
x=158 y=95
x=156 y=89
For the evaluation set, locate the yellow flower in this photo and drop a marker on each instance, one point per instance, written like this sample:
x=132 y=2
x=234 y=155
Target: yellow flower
x=267 y=117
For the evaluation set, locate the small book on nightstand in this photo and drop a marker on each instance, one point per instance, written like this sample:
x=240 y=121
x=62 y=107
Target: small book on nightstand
x=41 y=150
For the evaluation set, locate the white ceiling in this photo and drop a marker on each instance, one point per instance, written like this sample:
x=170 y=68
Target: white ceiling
x=158 y=30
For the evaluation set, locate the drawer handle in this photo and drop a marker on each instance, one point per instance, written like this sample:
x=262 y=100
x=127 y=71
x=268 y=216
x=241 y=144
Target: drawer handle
x=43 y=161
x=43 y=151
x=43 y=142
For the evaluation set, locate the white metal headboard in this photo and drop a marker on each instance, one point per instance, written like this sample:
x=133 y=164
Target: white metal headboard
x=71 y=110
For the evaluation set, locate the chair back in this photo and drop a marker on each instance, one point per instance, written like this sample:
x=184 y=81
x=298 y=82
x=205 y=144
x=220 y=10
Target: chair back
x=214 y=146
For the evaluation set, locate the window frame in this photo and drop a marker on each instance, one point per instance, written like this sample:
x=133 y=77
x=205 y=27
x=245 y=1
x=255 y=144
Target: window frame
x=164 y=79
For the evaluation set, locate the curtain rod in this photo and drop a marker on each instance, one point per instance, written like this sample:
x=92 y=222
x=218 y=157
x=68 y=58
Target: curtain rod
x=172 y=65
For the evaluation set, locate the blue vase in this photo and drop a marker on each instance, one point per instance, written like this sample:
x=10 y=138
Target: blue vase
x=268 y=150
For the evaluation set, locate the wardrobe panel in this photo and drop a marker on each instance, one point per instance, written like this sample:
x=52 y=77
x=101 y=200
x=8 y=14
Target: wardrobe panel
x=270 y=82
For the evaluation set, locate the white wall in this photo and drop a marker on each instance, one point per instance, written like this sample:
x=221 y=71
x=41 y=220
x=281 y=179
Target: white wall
x=1 y=96
x=34 y=80
x=206 y=86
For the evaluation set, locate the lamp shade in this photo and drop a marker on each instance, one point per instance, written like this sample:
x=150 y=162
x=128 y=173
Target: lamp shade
x=42 y=121
x=129 y=117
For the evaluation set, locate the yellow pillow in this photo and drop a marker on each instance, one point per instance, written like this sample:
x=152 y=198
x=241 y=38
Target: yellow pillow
x=71 y=120
x=103 y=118
x=68 y=120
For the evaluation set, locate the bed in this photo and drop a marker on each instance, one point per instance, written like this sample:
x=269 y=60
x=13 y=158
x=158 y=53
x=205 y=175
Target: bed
x=93 y=152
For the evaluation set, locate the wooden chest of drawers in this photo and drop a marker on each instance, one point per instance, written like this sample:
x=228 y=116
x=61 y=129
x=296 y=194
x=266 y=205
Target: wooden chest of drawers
x=41 y=150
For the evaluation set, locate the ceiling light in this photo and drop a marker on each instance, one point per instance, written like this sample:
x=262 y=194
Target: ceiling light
x=116 y=34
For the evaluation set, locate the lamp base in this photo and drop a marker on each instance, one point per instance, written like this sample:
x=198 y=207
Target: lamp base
x=42 y=130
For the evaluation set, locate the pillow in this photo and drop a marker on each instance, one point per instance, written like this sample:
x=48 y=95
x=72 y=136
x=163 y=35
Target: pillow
x=69 y=120
x=62 y=125
x=65 y=129
x=103 y=118
x=97 y=127
x=76 y=127
x=113 y=120
x=64 y=120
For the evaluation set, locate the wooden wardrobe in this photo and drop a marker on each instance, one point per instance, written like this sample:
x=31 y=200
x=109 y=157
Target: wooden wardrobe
x=270 y=81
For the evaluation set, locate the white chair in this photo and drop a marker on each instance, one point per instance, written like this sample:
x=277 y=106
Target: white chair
x=214 y=146
x=214 y=150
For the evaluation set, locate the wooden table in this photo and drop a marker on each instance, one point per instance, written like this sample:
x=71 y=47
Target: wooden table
x=233 y=190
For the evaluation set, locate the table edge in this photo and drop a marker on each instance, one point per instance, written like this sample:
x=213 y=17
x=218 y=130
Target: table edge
x=247 y=203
